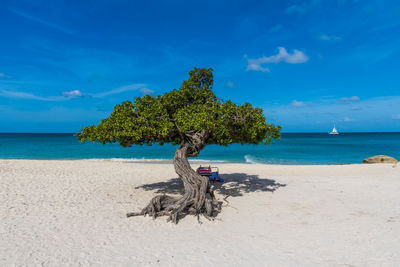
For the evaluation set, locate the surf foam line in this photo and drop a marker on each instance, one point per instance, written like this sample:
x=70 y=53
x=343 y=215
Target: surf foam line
x=250 y=159
x=150 y=160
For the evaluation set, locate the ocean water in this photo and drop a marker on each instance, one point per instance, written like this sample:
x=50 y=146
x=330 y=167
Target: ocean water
x=293 y=148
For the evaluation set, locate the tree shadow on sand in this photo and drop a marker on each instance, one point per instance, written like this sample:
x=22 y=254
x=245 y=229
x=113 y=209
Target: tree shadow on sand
x=235 y=184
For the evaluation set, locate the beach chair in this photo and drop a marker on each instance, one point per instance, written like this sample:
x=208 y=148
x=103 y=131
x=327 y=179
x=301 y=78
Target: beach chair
x=211 y=172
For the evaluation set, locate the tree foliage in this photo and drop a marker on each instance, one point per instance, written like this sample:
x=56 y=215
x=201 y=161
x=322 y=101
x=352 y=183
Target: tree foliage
x=179 y=115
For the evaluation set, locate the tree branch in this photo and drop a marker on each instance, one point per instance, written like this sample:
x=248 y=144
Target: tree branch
x=197 y=141
x=178 y=131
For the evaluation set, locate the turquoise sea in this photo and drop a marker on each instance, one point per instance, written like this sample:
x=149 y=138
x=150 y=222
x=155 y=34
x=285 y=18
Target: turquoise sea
x=293 y=148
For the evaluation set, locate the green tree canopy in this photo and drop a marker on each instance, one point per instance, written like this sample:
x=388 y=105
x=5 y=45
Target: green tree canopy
x=190 y=115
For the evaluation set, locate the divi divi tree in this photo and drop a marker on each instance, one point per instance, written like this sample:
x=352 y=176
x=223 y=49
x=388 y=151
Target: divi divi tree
x=191 y=118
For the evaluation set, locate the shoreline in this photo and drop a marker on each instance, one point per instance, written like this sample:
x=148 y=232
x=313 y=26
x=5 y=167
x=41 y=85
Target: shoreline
x=192 y=162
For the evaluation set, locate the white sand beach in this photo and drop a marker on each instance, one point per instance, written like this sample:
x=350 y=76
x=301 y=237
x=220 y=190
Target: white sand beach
x=55 y=213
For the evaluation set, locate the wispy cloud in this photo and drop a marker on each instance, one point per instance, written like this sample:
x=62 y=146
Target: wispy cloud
x=122 y=89
x=298 y=104
x=24 y=95
x=325 y=37
x=396 y=117
x=347 y=119
x=296 y=9
x=76 y=93
x=374 y=114
x=73 y=93
x=146 y=91
x=230 y=84
x=276 y=28
x=40 y=21
x=296 y=57
x=349 y=99
x=5 y=76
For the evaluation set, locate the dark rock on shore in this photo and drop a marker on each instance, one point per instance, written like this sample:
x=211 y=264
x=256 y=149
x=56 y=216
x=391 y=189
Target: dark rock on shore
x=380 y=159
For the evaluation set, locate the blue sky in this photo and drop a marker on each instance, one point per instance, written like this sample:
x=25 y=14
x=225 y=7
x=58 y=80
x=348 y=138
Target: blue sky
x=308 y=64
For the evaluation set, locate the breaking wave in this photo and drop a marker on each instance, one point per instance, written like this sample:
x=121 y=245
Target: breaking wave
x=251 y=160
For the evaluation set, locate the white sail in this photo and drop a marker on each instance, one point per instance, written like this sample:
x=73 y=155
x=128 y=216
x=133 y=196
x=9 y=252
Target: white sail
x=334 y=131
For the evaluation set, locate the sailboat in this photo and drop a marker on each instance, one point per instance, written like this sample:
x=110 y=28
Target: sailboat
x=334 y=131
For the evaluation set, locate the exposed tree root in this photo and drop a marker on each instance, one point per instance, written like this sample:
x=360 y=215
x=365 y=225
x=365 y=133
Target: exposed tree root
x=198 y=199
x=163 y=205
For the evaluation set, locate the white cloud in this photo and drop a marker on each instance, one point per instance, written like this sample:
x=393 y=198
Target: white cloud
x=298 y=104
x=146 y=91
x=230 y=84
x=25 y=95
x=347 y=119
x=355 y=108
x=126 y=88
x=325 y=37
x=256 y=66
x=351 y=98
x=5 y=76
x=396 y=117
x=296 y=57
x=73 y=93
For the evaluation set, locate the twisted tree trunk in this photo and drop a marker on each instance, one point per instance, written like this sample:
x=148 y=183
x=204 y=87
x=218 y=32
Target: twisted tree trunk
x=197 y=199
